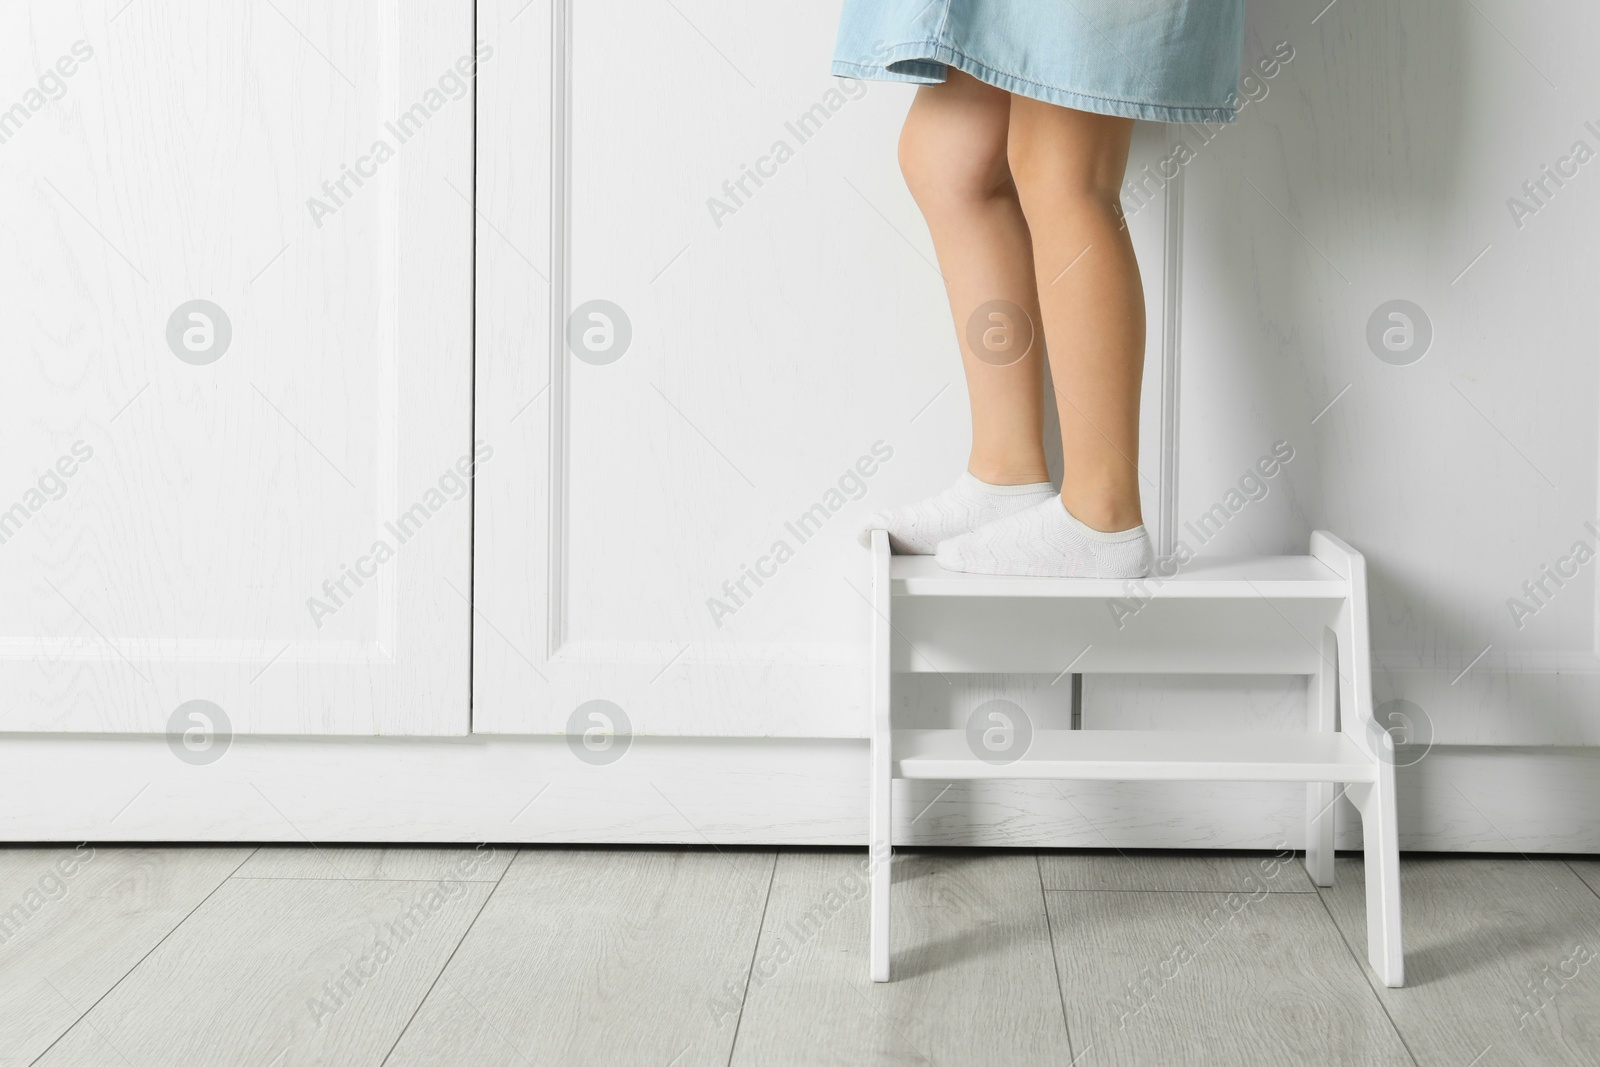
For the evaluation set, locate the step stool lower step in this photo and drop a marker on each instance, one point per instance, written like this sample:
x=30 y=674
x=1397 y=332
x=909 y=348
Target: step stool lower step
x=1136 y=755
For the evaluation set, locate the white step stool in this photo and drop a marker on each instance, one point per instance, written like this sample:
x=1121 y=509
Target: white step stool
x=1268 y=615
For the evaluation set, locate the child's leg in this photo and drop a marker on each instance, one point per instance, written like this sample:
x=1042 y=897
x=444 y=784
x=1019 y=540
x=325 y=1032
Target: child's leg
x=953 y=155
x=1068 y=166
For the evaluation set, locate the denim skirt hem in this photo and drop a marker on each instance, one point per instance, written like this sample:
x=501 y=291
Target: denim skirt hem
x=925 y=63
x=1162 y=60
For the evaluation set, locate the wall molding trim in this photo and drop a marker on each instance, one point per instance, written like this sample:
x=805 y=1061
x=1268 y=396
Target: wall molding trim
x=560 y=265
x=698 y=791
x=1171 y=363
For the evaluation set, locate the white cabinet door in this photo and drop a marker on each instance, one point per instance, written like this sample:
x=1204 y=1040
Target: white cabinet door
x=235 y=255
x=712 y=340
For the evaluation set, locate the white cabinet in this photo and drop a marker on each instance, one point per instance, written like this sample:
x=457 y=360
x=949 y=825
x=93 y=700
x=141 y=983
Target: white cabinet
x=235 y=253
x=654 y=278
x=690 y=333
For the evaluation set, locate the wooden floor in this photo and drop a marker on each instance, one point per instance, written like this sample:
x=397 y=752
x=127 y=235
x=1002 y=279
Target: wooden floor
x=278 y=956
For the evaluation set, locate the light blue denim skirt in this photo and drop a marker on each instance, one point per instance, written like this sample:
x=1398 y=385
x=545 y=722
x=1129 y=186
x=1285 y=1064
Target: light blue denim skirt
x=1167 y=60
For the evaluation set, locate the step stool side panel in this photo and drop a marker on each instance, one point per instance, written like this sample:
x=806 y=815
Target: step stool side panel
x=1333 y=552
x=1375 y=800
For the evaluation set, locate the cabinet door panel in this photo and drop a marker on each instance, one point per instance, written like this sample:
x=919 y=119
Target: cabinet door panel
x=236 y=259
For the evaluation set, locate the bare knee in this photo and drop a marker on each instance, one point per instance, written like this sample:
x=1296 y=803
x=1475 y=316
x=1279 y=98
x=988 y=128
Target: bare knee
x=1064 y=160
x=953 y=149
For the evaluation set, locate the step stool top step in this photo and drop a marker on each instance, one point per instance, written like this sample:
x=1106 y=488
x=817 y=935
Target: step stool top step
x=1241 y=577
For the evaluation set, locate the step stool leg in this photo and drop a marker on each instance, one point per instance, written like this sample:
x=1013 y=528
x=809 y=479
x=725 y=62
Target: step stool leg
x=881 y=858
x=880 y=814
x=1380 y=844
x=1321 y=796
x=1383 y=881
x=1376 y=799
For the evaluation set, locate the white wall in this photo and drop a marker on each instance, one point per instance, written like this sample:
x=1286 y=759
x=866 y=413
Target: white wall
x=1378 y=166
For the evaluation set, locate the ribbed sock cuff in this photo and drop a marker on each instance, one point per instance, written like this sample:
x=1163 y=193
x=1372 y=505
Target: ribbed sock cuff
x=1111 y=538
x=1005 y=490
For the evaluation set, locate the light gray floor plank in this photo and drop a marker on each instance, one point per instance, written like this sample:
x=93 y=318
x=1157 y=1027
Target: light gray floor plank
x=1174 y=871
x=1214 y=978
x=598 y=956
x=974 y=980
x=635 y=956
x=74 y=921
x=280 y=972
x=484 y=864
x=1480 y=934
x=1589 y=871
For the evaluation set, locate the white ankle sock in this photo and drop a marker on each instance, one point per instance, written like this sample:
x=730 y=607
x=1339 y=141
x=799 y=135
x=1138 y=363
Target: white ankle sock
x=1045 y=541
x=916 y=529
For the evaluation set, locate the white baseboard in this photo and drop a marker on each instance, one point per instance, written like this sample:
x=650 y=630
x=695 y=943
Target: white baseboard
x=721 y=791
